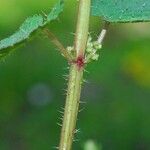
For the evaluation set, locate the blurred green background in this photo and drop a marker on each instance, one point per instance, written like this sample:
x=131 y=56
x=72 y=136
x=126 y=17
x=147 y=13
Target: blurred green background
x=116 y=115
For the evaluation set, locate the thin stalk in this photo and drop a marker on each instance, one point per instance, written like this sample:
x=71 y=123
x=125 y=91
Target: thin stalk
x=103 y=33
x=58 y=44
x=75 y=77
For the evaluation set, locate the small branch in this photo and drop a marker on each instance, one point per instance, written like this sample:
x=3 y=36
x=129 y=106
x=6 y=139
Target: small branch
x=58 y=44
x=103 y=33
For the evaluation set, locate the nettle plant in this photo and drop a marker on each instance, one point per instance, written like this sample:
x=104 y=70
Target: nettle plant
x=84 y=49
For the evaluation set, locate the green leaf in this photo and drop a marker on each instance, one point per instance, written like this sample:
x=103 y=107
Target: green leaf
x=55 y=11
x=30 y=25
x=122 y=10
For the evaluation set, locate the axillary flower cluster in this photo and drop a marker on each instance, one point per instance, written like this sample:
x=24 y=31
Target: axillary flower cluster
x=92 y=51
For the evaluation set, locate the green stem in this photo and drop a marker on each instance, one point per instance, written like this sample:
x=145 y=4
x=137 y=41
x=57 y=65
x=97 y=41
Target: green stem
x=71 y=108
x=82 y=27
x=75 y=77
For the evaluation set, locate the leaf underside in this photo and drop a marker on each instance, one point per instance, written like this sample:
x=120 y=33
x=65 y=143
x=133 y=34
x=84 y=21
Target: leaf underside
x=122 y=10
x=30 y=25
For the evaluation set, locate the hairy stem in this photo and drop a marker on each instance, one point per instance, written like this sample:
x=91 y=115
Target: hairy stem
x=82 y=27
x=75 y=77
x=71 y=108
